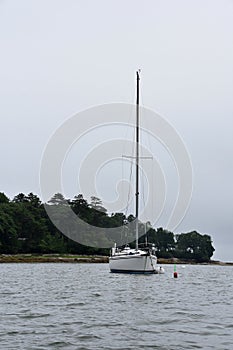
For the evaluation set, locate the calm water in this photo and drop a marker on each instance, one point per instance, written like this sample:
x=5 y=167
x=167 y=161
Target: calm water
x=74 y=306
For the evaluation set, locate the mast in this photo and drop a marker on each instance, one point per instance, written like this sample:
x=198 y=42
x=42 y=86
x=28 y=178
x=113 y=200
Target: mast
x=137 y=157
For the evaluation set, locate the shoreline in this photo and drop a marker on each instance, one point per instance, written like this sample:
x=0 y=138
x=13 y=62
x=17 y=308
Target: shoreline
x=60 y=258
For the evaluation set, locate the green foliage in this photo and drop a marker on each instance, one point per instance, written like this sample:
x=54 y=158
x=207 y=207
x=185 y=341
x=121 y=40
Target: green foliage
x=3 y=198
x=52 y=244
x=193 y=245
x=8 y=232
x=26 y=228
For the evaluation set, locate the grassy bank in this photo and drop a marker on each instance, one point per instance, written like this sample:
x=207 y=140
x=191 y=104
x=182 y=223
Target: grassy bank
x=51 y=258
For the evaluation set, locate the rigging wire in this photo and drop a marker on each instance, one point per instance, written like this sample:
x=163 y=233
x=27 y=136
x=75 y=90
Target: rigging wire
x=148 y=145
x=124 y=231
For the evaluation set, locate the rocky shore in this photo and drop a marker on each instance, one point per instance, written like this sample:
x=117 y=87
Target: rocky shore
x=51 y=258
x=58 y=258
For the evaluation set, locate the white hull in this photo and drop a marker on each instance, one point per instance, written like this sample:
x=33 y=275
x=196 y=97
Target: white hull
x=133 y=263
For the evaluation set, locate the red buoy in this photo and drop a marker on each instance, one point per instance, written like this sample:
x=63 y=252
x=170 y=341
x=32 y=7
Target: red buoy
x=175 y=274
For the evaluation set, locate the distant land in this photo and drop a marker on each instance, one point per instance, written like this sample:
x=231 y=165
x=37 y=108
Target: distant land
x=25 y=228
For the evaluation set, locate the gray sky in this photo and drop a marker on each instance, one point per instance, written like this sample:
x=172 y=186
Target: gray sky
x=61 y=57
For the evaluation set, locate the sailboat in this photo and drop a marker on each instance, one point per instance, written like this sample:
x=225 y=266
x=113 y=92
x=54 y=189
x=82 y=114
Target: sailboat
x=135 y=260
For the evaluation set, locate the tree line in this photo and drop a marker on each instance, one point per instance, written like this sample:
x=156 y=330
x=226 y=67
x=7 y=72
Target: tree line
x=26 y=228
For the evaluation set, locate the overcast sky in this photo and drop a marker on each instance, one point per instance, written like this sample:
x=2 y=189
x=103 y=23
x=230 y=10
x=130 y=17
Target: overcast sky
x=61 y=57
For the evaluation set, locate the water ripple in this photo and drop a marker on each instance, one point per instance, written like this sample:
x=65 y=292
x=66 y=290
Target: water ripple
x=84 y=307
